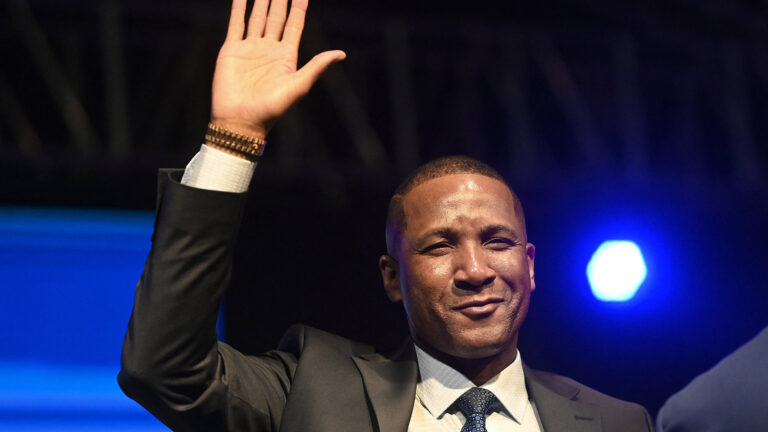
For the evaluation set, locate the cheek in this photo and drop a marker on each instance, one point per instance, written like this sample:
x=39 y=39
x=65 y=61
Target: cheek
x=514 y=269
x=426 y=287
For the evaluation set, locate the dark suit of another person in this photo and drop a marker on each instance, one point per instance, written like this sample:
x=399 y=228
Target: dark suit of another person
x=730 y=397
x=315 y=381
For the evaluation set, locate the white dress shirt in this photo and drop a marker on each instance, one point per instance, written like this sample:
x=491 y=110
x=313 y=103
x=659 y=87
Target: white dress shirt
x=215 y=170
x=439 y=385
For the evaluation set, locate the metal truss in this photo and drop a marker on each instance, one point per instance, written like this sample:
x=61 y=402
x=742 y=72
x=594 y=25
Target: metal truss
x=630 y=91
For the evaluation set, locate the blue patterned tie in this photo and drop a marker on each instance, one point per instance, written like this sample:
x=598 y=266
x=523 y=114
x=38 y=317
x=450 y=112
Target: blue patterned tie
x=474 y=403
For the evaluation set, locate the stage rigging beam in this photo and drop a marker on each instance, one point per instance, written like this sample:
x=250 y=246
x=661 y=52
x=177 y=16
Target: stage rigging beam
x=70 y=107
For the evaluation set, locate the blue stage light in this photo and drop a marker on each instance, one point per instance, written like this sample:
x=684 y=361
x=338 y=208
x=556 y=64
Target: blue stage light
x=616 y=270
x=68 y=278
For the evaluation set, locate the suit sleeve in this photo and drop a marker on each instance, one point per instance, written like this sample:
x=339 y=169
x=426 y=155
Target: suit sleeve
x=172 y=363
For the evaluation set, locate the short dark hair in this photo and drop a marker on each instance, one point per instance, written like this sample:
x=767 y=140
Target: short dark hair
x=437 y=168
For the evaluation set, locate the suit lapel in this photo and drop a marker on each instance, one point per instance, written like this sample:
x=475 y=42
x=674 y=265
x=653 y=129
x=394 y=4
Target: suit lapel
x=326 y=393
x=390 y=386
x=557 y=408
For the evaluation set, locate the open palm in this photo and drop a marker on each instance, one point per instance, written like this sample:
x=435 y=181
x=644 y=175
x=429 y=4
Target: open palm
x=256 y=78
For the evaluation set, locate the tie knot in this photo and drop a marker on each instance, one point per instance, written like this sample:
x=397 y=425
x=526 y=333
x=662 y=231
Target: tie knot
x=475 y=401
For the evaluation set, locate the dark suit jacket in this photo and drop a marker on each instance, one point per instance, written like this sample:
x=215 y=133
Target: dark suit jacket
x=173 y=365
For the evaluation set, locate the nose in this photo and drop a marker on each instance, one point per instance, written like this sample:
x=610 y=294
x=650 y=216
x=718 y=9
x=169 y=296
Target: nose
x=472 y=269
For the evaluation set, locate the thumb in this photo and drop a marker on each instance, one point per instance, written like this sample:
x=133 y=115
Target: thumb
x=310 y=73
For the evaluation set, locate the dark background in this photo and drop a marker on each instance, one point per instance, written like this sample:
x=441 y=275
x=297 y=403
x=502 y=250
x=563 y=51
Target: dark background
x=632 y=120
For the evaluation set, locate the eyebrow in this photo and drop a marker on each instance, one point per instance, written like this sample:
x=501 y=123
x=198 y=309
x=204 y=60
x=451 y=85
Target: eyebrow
x=498 y=228
x=438 y=232
x=451 y=233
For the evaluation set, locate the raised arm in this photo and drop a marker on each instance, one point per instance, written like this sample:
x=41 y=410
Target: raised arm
x=172 y=363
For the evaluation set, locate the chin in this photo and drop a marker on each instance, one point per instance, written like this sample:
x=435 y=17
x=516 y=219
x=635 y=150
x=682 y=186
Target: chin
x=478 y=353
x=481 y=346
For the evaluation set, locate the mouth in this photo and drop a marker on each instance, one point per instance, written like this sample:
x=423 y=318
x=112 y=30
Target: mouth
x=479 y=308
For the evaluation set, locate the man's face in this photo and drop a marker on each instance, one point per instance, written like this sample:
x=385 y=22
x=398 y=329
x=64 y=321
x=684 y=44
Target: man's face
x=464 y=270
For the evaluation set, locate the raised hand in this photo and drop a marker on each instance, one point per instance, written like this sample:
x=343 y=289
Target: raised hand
x=256 y=78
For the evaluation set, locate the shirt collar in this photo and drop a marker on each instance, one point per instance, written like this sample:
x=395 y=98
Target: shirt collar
x=440 y=385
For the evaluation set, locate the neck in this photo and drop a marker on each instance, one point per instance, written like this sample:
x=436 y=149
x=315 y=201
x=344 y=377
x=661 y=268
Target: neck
x=477 y=370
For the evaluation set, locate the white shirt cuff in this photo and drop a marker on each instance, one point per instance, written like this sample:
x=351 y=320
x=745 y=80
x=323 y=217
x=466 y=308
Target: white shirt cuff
x=215 y=170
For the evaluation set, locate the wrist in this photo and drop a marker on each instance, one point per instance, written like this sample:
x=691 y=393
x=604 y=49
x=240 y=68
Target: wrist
x=234 y=143
x=257 y=131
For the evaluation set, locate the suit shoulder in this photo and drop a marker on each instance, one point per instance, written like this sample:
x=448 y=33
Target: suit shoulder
x=564 y=385
x=302 y=340
x=617 y=414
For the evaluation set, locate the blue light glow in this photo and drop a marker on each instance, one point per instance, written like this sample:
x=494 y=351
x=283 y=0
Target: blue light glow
x=616 y=270
x=68 y=277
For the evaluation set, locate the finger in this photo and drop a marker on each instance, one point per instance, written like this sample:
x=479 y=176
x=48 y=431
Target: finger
x=309 y=74
x=236 y=20
x=276 y=19
x=295 y=24
x=258 y=18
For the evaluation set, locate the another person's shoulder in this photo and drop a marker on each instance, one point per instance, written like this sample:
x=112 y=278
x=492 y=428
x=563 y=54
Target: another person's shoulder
x=730 y=396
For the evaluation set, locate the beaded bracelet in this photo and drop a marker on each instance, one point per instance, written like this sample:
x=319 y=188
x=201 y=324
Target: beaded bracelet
x=249 y=147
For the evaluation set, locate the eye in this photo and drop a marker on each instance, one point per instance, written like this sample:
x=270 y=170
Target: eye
x=436 y=249
x=499 y=243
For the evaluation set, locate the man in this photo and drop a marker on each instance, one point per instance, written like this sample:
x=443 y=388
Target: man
x=458 y=259
x=732 y=396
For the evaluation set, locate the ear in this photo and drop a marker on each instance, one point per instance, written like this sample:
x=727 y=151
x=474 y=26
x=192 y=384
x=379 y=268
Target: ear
x=390 y=275
x=530 y=253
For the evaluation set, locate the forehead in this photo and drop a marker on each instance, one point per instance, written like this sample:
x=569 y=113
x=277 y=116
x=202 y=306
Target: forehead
x=454 y=197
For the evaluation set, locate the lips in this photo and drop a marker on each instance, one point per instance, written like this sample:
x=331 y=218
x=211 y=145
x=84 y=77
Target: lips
x=479 y=308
